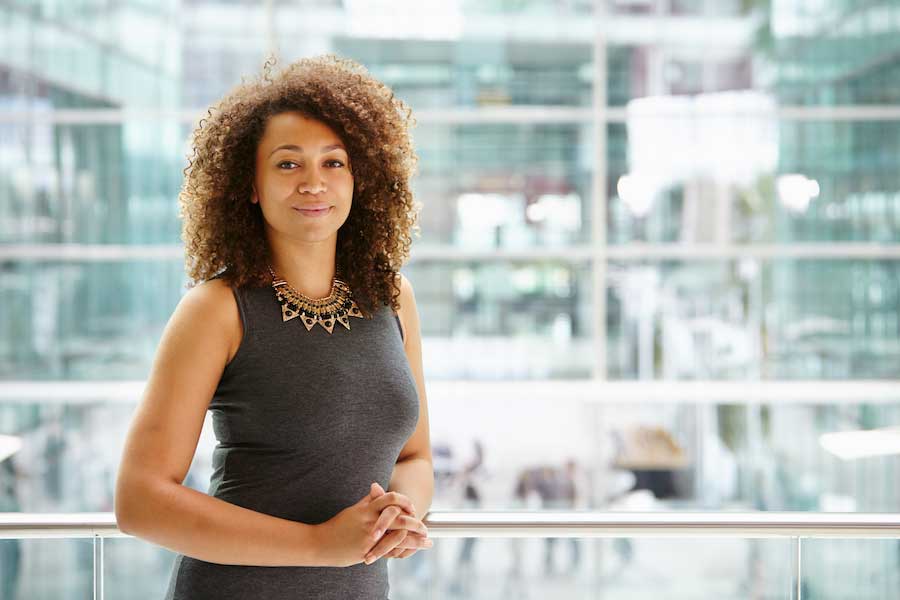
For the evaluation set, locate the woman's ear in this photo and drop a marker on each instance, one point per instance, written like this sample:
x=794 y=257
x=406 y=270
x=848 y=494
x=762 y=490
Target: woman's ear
x=253 y=197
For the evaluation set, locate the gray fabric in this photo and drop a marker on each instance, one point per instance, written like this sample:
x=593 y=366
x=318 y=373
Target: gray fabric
x=305 y=422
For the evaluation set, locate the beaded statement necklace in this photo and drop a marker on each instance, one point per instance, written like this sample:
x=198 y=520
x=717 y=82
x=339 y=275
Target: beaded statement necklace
x=336 y=307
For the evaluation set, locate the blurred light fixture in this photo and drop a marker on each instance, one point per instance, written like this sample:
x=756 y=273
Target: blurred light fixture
x=637 y=193
x=560 y=211
x=405 y=19
x=848 y=445
x=9 y=445
x=536 y=211
x=796 y=191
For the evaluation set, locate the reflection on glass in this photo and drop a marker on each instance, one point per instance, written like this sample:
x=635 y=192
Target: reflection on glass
x=90 y=184
x=504 y=186
x=873 y=574
x=748 y=319
x=133 y=568
x=46 y=568
x=471 y=70
x=502 y=320
x=834 y=53
x=707 y=178
x=681 y=569
x=85 y=320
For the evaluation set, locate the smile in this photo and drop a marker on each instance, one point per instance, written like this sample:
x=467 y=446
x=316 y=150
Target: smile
x=314 y=211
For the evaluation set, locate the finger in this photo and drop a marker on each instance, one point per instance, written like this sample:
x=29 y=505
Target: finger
x=399 y=552
x=384 y=520
x=387 y=543
x=375 y=491
x=409 y=523
x=389 y=498
x=414 y=541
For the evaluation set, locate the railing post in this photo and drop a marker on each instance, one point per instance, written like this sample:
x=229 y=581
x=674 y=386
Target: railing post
x=798 y=568
x=98 y=567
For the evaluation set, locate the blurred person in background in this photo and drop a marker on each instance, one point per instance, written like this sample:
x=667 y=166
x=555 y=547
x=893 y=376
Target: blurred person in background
x=465 y=569
x=563 y=489
x=525 y=497
x=297 y=214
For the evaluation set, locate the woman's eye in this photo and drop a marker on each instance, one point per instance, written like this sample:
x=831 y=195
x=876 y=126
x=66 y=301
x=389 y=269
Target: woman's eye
x=290 y=162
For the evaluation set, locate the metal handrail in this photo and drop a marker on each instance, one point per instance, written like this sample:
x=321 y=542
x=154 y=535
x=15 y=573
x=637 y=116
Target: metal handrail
x=545 y=523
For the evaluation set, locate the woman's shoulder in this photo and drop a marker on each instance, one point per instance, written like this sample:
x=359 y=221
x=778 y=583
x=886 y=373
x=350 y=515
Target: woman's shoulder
x=407 y=313
x=217 y=296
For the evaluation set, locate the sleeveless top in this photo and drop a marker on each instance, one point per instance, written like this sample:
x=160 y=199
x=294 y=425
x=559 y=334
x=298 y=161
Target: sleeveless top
x=305 y=422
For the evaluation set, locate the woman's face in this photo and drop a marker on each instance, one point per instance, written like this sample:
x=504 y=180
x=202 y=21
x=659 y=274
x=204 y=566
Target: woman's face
x=302 y=182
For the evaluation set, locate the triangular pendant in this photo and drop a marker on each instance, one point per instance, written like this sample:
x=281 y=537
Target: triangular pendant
x=308 y=321
x=327 y=323
x=288 y=313
x=343 y=320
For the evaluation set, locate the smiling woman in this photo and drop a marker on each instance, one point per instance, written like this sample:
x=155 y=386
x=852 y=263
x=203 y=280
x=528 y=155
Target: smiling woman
x=297 y=210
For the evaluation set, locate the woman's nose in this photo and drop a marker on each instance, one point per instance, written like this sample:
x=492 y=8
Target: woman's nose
x=311 y=182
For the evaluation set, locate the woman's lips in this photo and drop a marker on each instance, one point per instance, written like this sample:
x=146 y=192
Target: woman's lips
x=313 y=211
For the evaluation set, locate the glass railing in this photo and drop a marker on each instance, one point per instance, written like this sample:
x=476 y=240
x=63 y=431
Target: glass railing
x=481 y=554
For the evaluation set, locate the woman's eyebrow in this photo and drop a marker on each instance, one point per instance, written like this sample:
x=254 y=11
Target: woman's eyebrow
x=300 y=149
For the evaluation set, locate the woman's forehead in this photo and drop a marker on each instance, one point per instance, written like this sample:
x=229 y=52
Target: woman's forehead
x=293 y=126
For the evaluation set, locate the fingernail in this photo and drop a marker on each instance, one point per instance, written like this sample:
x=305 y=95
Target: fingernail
x=378 y=533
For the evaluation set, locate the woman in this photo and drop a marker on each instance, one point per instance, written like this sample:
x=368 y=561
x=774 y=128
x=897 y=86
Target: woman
x=302 y=339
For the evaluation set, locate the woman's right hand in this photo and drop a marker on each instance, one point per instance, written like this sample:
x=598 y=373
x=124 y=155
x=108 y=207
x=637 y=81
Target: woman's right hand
x=347 y=537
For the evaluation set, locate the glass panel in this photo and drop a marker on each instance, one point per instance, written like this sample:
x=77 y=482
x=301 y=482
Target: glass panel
x=504 y=186
x=873 y=574
x=475 y=70
x=90 y=184
x=436 y=55
x=582 y=568
x=79 y=49
x=835 y=52
x=802 y=53
x=703 y=178
x=134 y=569
x=85 y=320
x=502 y=320
x=46 y=569
x=748 y=319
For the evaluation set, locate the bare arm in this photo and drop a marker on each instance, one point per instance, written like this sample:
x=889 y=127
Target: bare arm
x=150 y=500
x=413 y=475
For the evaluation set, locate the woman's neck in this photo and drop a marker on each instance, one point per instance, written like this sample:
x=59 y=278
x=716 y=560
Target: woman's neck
x=309 y=268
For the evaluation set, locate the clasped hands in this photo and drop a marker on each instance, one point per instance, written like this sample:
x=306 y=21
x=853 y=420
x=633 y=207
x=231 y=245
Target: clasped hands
x=397 y=535
x=379 y=524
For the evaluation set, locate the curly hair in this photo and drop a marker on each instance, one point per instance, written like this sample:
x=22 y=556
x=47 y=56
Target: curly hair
x=223 y=230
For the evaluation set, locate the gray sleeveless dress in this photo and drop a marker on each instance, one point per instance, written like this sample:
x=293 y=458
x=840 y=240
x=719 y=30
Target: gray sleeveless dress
x=305 y=422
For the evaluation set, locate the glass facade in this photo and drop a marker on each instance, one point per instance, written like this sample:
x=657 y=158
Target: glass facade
x=613 y=192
